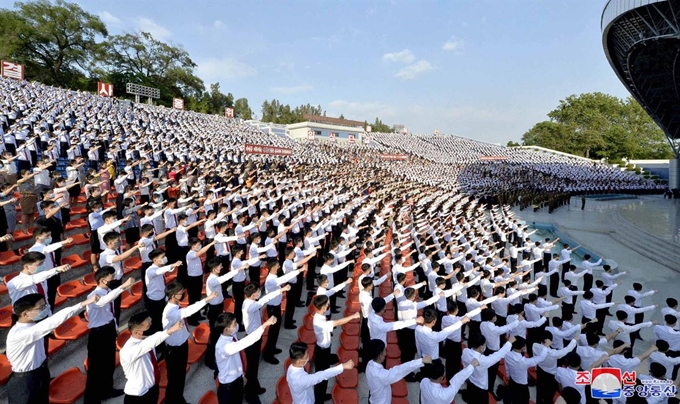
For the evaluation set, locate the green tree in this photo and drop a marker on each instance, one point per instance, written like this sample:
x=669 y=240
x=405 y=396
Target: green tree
x=512 y=144
x=242 y=110
x=379 y=126
x=55 y=41
x=342 y=116
x=142 y=59
x=598 y=125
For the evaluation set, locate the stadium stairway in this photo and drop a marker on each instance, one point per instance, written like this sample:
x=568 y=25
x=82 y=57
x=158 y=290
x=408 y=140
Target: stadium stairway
x=644 y=243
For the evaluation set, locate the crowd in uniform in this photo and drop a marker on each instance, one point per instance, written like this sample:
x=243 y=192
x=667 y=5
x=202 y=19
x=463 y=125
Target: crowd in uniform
x=469 y=287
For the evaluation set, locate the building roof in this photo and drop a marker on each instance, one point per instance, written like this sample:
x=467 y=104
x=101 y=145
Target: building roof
x=331 y=121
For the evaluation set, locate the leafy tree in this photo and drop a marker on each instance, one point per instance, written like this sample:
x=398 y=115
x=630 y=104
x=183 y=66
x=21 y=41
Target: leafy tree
x=56 y=42
x=142 y=59
x=242 y=110
x=342 y=116
x=379 y=126
x=598 y=125
x=512 y=144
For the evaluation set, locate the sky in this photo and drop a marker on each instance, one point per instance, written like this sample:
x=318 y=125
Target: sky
x=483 y=69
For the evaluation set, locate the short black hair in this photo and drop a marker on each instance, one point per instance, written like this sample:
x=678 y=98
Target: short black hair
x=103 y=272
x=377 y=347
x=378 y=304
x=297 y=350
x=223 y=321
x=173 y=288
x=320 y=301
x=137 y=319
x=434 y=370
x=251 y=288
x=26 y=303
x=476 y=340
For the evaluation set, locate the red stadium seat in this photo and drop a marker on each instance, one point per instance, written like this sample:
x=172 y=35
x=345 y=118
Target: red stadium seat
x=128 y=300
x=68 y=387
x=201 y=334
x=345 y=355
x=8 y=258
x=3 y=289
x=75 y=224
x=5 y=369
x=73 y=289
x=161 y=395
x=349 y=342
x=349 y=379
x=74 y=261
x=79 y=239
x=208 y=398
x=78 y=210
x=196 y=352
x=132 y=264
x=137 y=289
x=283 y=391
x=9 y=277
x=399 y=389
x=6 y=317
x=71 y=329
x=21 y=236
x=122 y=339
x=344 y=396
x=54 y=345
x=89 y=280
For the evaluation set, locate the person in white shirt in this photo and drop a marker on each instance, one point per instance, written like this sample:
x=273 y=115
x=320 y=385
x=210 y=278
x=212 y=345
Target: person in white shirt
x=407 y=310
x=32 y=278
x=194 y=281
x=378 y=328
x=478 y=388
x=177 y=347
x=228 y=356
x=139 y=360
x=567 y=376
x=517 y=366
x=661 y=356
x=379 y=379
x=672 y=309
x=621 y=323
x=154 y=301
x=431 y=389
x=111 y=256
x=25 y=347
x=589 y=309
x=101 y=340
x=639 y=296
x=322 y=349
x=546 y=386
x=323 y=290
x=427 y=341
x=252 y=320
x=272 y=284
x=301 y=383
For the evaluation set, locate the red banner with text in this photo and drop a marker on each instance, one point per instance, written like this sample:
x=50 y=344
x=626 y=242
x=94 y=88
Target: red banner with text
x=267 y=150
x=394 y=157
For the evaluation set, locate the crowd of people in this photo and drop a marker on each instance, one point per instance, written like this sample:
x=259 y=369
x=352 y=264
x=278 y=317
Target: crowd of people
x=414 y=244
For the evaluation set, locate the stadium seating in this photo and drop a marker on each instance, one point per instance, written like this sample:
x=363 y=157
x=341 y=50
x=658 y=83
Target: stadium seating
x=68 y=387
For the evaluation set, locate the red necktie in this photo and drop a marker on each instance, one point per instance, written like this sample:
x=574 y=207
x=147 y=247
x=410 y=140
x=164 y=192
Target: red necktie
x=41 y=290
x=186 y=326
x=156 y=369
x=54 y=262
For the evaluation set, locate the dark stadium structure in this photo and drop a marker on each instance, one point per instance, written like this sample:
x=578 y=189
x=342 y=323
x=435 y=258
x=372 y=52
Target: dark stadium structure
x=641 y=39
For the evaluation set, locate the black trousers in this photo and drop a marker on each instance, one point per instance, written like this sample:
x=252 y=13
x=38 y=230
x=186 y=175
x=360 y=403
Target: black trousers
x=101 y=355
x=546 y=386
x=230 y=393
x=254 y=275
x=587 y=282
x=52 y=284
x=30 y=387
x=519 y=393
x=554 y=284
x=214 y=310
x=155 y=309
x=273 y=336
x=182 y=274
x=292 y=298
x=322 y=361
x=567 y=308
x=492 y=371
x=453 y=351
x=176 y=358
x=474 y=327
x=601 y=315
x=145 y=266
x=477 y=395
x=365 y=343
x=237 y=290
x=565 y=269
x=639 y=318
x=253 y=361
x=171 y=251
x=407 y=344
x=151 y=397
x=311 y=274
x=194 y=284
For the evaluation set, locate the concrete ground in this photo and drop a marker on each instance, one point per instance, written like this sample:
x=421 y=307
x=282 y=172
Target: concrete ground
x=599 y=227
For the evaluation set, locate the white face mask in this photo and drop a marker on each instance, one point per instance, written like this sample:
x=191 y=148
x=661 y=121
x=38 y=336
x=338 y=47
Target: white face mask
x=42 y=314
x=165 y=261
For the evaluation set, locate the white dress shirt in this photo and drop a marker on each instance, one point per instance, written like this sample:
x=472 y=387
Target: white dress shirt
x=434 y=393
x=669 y=335
x=588 y=308
x=517 y=365
x=301 y=384
x=379 y=328
x=214 y=284
x=172 y=313
x=24 y=284
x=480 y=376
x=427 y=340
x=228 y=356
x=567 y=378
x=273 y=283
x=135 y=359
x=106 y=258
x=627 y=329
x=666 y=361
x=549 y=363
x=155 y=281
x=322 y=330
x=492 y=332
x=408 y=309
x=379 y=379
x=101 y=312
x=252 y=319
x=25 y=346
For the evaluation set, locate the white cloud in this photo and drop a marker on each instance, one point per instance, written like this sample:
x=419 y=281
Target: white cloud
x=109 y=18
x=454 y=44
x=293 y=89
x=405 y=56
x=410 y=72
x=158 y=31
x=212 y=70
x=218 y=24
